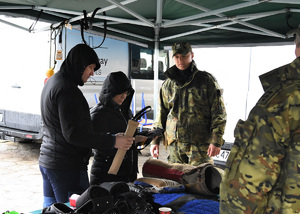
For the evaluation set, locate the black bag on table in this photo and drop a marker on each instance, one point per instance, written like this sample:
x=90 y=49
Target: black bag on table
x=96 y=199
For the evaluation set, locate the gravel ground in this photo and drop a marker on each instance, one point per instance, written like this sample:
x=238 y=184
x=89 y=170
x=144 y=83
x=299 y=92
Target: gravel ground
x=21 y=180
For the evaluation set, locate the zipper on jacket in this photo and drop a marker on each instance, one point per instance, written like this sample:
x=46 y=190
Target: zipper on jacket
x=126 y=122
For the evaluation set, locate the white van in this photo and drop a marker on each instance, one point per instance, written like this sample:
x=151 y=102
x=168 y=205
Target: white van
x=29 y=56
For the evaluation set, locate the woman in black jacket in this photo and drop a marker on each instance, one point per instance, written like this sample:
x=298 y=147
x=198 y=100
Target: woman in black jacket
x=111 y=115
x=68 y=134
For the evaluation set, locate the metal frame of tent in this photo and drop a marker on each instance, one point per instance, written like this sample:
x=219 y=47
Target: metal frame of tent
x=203 y=20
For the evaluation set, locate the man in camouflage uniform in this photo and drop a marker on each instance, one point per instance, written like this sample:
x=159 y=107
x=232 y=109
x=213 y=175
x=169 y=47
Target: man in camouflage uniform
x=191 y=111
x=263 y=169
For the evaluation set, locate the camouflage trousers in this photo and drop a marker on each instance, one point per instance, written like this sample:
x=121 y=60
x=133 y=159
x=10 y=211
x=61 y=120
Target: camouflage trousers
x=192 y=154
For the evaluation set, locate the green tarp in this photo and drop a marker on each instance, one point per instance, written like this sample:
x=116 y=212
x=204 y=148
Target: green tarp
x=201 y=22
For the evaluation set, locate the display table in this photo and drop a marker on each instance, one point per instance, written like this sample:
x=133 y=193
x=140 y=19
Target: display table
x=188 y=203
x=40 y=211
x=182 y=203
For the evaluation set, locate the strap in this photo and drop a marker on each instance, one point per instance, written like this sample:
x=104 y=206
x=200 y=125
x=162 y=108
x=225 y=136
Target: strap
x=86 y=25
x=34 y=23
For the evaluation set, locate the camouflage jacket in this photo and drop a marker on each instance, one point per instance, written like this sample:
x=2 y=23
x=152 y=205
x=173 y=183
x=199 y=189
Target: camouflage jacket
x=263 y=169
x=192 y=112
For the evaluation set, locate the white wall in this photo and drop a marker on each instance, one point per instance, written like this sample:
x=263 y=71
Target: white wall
x=237 y=71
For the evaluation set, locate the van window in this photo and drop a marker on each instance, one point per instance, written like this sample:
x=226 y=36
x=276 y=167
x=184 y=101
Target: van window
x=141 y=65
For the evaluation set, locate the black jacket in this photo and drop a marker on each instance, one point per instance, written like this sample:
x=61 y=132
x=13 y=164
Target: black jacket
x=111 y=118
x=67 y=126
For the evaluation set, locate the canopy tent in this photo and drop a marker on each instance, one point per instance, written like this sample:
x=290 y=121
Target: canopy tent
x=201 y=22
x=160 y=23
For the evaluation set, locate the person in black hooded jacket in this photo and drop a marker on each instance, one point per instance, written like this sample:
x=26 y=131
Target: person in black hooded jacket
x=111 y=115
x=68 y=134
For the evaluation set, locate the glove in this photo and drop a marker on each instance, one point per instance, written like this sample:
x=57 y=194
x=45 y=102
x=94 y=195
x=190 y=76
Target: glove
x=150 y=134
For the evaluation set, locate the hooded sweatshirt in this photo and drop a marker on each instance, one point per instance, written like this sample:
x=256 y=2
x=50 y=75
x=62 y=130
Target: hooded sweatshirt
x=68 y=134
x=108 y=117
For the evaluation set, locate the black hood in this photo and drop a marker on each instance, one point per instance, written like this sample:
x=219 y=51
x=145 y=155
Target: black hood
x=114 y=84
x=79 y=57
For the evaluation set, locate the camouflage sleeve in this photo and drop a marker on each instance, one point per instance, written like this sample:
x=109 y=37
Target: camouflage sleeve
x=253 y=166
x=218 y=114
x=161 y=116
x=262 y=171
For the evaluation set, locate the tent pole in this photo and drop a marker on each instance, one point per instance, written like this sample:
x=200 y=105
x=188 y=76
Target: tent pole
x=214 y=12
x=127 y=10
x=155 y=91
x=14 y=25
x=79 y=14
x=199 y=7
x=156 y=53
x=211 y=27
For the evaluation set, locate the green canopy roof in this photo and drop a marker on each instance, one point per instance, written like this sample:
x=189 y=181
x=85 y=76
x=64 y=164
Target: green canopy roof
x=201 y=22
